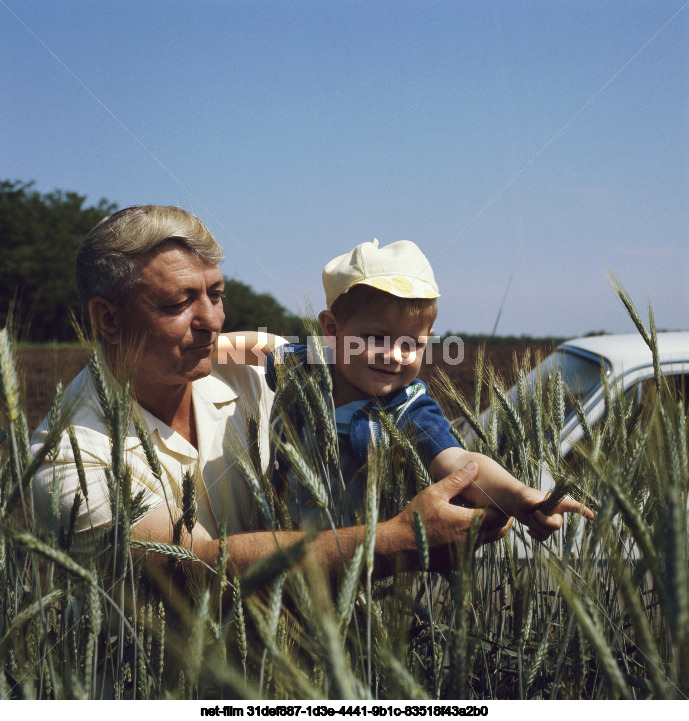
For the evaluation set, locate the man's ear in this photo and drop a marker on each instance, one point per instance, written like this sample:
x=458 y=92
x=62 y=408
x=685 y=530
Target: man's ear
x=106 y=318
x=328 y=324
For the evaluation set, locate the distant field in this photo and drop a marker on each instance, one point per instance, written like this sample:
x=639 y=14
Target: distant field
x=42 y=367
x=501 y=357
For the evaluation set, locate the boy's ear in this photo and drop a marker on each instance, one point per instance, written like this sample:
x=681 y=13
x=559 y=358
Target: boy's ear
x=106 y=318
x=328 y=324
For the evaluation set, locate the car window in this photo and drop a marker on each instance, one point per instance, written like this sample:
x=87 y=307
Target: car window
x=677 y=383
x=581 y=374
x=643 y=391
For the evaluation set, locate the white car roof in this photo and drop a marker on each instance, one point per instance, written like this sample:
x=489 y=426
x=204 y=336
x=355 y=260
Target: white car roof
x=629 y=350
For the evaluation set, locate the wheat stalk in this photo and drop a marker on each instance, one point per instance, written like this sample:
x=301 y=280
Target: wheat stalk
x=171 y=550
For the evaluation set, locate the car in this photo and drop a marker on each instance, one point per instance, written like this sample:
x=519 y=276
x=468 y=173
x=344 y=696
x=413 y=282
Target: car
x=587 y=365
x=625 y=361
x=628 y=365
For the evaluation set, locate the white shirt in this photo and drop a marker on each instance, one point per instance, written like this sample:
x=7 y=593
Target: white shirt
x=222 y=402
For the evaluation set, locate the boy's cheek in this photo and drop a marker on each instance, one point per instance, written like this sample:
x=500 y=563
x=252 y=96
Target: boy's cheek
x=373 y=357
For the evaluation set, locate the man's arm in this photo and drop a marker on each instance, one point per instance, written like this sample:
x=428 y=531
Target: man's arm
x=447 y=527
x=496 y=487
x=247 y=347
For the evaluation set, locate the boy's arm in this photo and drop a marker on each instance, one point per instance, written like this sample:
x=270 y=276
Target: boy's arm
x=494 y=486
x=247 y=347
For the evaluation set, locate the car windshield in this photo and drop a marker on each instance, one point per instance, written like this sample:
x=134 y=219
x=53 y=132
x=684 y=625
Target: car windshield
x=580 y=375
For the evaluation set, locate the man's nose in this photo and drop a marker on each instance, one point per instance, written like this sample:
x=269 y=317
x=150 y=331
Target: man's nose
x=209 y=316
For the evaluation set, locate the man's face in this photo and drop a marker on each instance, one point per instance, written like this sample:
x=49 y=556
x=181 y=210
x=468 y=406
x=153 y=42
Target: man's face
x=177 y=307
x=379 y=353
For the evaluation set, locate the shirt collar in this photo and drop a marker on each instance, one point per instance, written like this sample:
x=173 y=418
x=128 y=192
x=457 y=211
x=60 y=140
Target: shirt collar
x=213 y=390
x=398 y=397
x=210 y=392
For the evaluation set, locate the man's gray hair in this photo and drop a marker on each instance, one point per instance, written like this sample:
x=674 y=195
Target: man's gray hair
x=107 y=260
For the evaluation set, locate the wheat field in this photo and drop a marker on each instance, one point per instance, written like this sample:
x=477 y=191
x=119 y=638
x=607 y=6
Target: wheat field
x=600 y=611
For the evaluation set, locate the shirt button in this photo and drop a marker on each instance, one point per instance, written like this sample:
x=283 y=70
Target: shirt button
x=310 y=504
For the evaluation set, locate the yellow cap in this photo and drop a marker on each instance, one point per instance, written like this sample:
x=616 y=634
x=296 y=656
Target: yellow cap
x=399 y=268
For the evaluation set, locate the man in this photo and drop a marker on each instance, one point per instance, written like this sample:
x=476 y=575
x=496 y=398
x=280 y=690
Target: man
x=150 y=280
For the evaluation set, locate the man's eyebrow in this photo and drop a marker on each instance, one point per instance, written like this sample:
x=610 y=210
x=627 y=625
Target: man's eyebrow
x=191 y=290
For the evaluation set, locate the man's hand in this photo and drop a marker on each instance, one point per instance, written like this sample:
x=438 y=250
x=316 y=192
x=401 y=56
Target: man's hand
x=448 y=526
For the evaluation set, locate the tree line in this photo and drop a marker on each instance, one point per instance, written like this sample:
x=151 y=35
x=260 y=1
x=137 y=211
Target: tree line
x=39 y=237
x=523 y=339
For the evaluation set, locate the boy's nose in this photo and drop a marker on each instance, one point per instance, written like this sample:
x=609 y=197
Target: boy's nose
x=404 y=353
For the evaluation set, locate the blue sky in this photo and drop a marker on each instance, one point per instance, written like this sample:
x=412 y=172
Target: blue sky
x=543 y=140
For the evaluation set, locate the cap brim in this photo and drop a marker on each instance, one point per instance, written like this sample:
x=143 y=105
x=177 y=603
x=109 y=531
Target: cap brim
x=401 y=286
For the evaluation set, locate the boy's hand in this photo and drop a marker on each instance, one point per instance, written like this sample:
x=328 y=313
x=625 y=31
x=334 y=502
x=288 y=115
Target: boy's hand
x=540 y=525
x=497 y=488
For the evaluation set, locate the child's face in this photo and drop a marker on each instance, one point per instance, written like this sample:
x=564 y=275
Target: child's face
x=375 y=354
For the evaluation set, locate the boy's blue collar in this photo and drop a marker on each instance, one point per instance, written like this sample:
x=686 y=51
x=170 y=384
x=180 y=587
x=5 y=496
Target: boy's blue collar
x=396 y=398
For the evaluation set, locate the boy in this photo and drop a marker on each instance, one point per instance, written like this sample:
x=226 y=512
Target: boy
x=382 y=303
